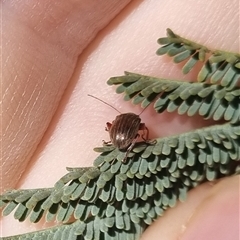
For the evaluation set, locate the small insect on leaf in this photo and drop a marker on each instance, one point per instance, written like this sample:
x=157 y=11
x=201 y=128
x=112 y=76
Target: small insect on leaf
x=123 y=131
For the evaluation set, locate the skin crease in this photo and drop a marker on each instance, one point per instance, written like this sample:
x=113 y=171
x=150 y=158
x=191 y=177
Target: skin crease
x=52 y=122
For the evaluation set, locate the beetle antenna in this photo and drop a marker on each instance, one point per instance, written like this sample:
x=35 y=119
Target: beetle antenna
x=143 y=110
x=103 y=102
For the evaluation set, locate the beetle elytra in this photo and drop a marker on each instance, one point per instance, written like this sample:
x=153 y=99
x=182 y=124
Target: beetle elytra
x=123 y=131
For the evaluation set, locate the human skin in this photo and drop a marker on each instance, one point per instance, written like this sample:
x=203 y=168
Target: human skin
x=52 y=58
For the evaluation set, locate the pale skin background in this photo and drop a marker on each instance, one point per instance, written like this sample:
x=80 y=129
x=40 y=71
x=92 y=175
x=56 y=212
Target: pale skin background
x=56 y=52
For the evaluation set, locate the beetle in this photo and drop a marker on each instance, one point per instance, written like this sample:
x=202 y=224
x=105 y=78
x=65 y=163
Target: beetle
x=123 y=131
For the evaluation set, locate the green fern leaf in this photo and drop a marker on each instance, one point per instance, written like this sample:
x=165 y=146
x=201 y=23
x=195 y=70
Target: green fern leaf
x=218 y=66
x=188 y=158
x=209 y=101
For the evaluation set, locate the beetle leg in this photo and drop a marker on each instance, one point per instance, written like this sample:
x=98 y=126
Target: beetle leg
x=152 y=142
x=146 y=133
x=145 y=130
x=108 y=143
x=130 y=148
x=108 y=127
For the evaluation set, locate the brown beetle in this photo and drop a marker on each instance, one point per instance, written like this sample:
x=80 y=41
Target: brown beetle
x=123 y=131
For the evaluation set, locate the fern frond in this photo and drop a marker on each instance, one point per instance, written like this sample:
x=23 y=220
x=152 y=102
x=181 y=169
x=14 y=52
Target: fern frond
x=48 y=234
x=120 y=226
x=178 y=153
x=153 y=173
x=61 y=232
x=153 y=179
x=218 y=66
x=209 y=101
